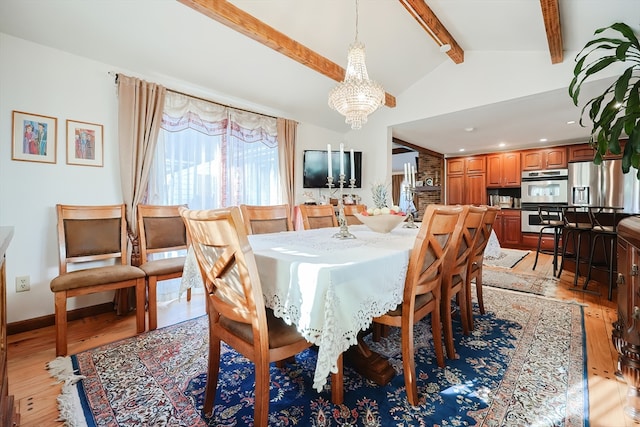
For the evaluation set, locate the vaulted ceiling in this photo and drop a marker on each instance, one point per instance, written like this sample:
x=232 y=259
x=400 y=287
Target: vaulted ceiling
x=168 y=40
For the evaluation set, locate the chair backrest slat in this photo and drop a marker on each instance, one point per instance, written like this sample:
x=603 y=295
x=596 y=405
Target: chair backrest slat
x=350 y=210
x=266 y=219
x=227 y=264
x=438 y=233
x=318 y=216
x=91 y=233
x=161 y=229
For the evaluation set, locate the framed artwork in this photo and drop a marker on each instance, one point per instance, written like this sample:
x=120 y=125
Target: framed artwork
x=34 y=137
x=84 y=144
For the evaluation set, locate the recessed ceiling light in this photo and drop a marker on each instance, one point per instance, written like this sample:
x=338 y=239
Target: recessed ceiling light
x=462 y=149
x=502 y=144
x=470 y=129
x=543 y=140
x=571 y=122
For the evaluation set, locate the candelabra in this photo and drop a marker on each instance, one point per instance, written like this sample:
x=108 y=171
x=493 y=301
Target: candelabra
x=342 y=220
x=410 y=190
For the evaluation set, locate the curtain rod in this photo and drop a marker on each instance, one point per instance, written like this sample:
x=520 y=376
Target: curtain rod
x=115 y=75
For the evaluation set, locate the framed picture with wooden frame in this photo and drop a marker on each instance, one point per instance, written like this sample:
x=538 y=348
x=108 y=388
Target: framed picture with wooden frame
x=84 y=143
x=34 y=137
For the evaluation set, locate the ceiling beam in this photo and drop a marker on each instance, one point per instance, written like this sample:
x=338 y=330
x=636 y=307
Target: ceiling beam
x=432 y=25
x=414 y=147
x=239 y=20
x=551 y=16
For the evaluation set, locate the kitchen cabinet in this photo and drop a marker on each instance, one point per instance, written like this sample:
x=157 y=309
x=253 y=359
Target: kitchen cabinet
x=581 y=153
x=626 y=329
x=503 y=170
x=508 y=228
x=585 y=153
x=466 y=181
x=544 y=158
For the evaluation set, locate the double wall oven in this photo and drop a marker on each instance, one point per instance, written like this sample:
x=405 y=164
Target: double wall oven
x=542 y=188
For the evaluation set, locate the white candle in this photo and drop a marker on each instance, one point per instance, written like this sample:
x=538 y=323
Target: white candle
x=406 y=173
x=341 y=158
x=413 y=176
x=330 y=171
x=353 y=166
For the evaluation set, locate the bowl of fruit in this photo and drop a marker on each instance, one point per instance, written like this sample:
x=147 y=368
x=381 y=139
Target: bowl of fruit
x=381 y=220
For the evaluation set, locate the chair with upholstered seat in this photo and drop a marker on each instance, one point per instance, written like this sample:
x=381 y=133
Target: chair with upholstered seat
x=438 y=233
x=576 y=226
x=266 y=219
x=318 y=216
x=604 y=229
x=454 y=282
x=92 y=235
x=350 y=210
x=235 y=305
x=476 y=261
x=163 y=237
x=550 y=218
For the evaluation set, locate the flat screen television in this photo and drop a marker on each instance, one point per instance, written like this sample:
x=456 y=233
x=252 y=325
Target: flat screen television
x=315 y=168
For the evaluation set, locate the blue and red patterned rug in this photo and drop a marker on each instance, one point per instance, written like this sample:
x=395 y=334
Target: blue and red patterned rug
x=524 y=365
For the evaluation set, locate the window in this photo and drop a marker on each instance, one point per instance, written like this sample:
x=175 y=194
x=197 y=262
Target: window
x=210 y=156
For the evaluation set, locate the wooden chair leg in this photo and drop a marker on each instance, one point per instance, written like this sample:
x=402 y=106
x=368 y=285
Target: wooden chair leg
x=408 y=363
x=61 y=323
x=152 y=290
x=479 y=290
x=464 y=311
x=447 y=326
x=337 y=384
x=436 y=332
x=261 y=392
x=212 y=376
x=140 y=303
x=189 y=294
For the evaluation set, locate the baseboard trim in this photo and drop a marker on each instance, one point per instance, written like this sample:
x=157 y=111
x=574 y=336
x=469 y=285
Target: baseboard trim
x=49 y=320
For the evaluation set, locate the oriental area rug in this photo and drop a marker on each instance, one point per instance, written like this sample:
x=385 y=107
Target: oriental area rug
x=523 y=365
x=507 y=258
x=530 y=283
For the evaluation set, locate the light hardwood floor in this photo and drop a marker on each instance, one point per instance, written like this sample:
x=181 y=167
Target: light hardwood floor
x=36 y=392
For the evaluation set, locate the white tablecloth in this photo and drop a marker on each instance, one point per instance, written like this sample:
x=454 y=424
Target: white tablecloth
x=330 y=288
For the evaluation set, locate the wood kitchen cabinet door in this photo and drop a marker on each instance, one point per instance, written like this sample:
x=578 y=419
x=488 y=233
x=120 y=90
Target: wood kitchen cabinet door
x=581 y=153
x=476 y=189
x=455 y=189
x=508 y=228
x=545 y=158
x=503 y=170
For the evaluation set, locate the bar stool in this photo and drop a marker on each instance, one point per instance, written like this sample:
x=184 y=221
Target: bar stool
x=604 y=223
x=576 y=224
x=550 y=219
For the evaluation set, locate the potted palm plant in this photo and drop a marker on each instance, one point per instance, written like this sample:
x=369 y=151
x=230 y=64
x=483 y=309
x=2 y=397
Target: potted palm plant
x=617 y=110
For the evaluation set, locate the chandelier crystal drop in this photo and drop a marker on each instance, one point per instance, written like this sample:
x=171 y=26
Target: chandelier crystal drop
x=357 y=96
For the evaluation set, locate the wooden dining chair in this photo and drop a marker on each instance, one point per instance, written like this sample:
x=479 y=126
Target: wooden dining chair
x=439 y=231
x=163 y=236
x=476 y=260
x=266 y=219
x=318 y=216
x=350 y=210
x=88 y=236
x=454 y=280
x=235 y=306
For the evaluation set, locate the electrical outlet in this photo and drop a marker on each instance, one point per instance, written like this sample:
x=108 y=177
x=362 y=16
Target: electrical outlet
x=22 y=284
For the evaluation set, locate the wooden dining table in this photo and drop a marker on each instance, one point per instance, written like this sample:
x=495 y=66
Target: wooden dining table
x=330 y=288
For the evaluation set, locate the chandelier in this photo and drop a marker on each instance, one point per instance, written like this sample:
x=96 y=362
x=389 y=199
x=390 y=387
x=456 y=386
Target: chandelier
x=357 y=96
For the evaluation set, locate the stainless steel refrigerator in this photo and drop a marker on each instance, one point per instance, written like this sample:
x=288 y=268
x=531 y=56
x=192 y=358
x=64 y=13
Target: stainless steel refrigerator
x=603 y=185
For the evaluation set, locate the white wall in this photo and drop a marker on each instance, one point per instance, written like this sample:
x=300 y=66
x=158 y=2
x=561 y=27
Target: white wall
x=44 y=81
x=47 y=82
